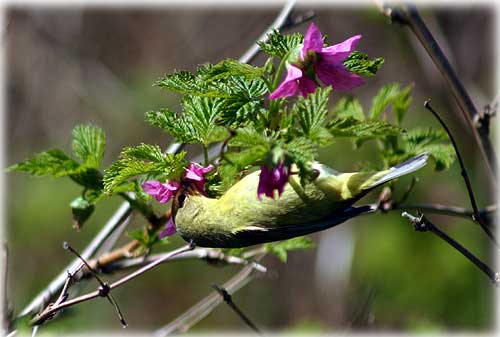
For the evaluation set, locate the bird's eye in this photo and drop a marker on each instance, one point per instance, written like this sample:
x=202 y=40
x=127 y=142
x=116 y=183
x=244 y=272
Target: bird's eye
x=180 y=200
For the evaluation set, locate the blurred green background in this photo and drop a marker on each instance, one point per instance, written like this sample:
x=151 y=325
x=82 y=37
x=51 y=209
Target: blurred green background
x=76 y=65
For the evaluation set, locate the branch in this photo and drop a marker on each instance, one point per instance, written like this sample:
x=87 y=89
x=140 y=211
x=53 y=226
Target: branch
x=229 y=301
x=209 y=254
x=423 y=224
x=52 y=309
x=201 y=309
x=486 y=213
x=408 y=15
x=281 y=20
x=120 y=216
x=477 y=216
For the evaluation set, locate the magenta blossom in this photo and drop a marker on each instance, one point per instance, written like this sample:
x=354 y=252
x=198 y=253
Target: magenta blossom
x=270 y=180
x=196 y=173
x=161 y=192
x=169 y=229
x=326 y=63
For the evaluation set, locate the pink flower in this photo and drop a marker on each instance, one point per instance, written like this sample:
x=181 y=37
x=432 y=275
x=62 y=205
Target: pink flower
x=161 y=192
x=196 y=173
x=270 y=180
x=169 y=229
x=326 y=63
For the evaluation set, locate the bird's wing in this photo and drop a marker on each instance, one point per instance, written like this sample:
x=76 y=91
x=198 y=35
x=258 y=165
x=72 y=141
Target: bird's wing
x=252 y=235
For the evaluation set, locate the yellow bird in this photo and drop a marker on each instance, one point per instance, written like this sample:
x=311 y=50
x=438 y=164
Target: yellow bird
x=239 y=219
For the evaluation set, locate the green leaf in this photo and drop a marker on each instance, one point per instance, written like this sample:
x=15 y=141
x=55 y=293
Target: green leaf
x=391 y=94
x=359 y=63
x=311 y=112
x=250 y=137
x=178 y=127
x=231 y=67
x=442 y=154
x=53 y=163
x=82 y=209
x=88 y=177
x=197 y=124
x=89 y=143
x=351 y=127
x=279 y=45
x=201 y=114
x=244 y=101
x=281 y=249
x=143 y=160
x=436 y=142
x=302 y=152
x=349 y=107
x=186 y=83
x=417 y=141
x=147 y=238
x=420 y=136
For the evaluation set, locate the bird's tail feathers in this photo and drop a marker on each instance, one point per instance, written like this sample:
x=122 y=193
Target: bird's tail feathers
x=402 y=169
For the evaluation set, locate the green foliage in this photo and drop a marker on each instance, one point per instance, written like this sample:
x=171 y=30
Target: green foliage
x=230 y=67
x=391 y=94
x=355 y=128
x=81 y=209
x=195 y=125
x=89 y=144
x=147 y=237
x=280 y=45
x=421 y=140
x=244 y=101
x=143 y=160
x=281 y=248
x=302 y=152
x=311 y=114
x=186 y=83
x=360 y=64
x=349 y=107
x=53 y=163
x=397 y=144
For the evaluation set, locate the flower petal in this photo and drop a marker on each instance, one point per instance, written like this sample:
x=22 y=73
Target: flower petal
x=289 y=86
x=169 y=229
x=161 y=192
x=172 y=185
x=338 y=76
x=339 y=52
x=196 y=173
x=265 y=183
x=151 y=187
x=313 y=41
x=270 y=180
x=306 y=85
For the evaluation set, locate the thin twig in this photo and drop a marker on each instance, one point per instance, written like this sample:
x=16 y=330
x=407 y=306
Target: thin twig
x=486 y=212
x=421 y=223
x=97 y=293
x=209 y=254
x=201 y=309
x=120 y=216
x=104 y=288
x=409 y=15
x=229 y=301
x=477 y=216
